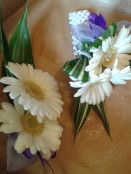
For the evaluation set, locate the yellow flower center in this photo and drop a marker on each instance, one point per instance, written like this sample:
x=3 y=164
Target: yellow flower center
x=31 y=125
x=109 y=58
x=34 y=90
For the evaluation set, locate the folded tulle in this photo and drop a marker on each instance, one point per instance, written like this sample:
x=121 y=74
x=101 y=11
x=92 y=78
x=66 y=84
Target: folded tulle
x=86 y=31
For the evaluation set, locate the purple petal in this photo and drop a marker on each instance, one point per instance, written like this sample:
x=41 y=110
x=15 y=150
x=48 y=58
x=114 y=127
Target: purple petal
x=97 y=20
x=96 y=30
x=92 y=17
x=100 y=21
x=91 y=29
x=27 y=153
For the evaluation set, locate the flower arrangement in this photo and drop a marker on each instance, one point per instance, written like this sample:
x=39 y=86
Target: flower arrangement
x=102 y=61
x=30 y=116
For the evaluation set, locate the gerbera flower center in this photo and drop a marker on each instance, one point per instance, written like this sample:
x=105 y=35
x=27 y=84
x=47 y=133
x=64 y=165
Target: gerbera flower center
x=109 y=58
x=34 y=90
x=31 y=125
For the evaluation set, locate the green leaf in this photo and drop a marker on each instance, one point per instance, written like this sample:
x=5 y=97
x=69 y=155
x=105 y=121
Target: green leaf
x=76 y=68
x=81 y=114
x=20 y=44
x=86 y=46
x=110 y=31
x=101 y=113
x=4 y=48
x=70 y=65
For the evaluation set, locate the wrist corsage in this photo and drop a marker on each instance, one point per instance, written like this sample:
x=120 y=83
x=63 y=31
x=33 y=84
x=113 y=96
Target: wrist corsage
x=102 y=60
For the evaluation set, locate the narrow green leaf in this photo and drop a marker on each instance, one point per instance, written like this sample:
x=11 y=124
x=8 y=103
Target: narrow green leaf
x=110 y=31
x=70 y=65
x=20 y=44
x=4 y=47
x=81 y=114
x=86 y=46
x=76 y=68
x=101 y=113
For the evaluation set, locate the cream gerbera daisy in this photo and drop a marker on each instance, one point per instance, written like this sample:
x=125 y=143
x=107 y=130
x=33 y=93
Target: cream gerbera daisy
x=36 y=90
x=112 y=48
x=43 y=137
x=95 y=90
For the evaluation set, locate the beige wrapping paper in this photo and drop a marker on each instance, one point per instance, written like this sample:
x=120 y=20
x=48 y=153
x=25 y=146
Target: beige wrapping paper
x=93 y=151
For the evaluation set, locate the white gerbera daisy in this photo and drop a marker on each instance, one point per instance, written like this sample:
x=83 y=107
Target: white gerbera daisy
x=95 y=90
x=43 y=137
x=112 y=48
x=36 y=90
x=117 y=76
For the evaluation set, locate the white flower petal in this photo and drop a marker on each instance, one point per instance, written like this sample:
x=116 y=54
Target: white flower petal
x=79 y=92
x=46 y=153
x=11 y=117
x=86 y=97
x=73 y=78
x=123 y=41
x=93 y=49
x=107 y=88
x=120 y=76
x=127 y=40
x=37 y=91
x=122 y=34
x=75 y=84
x=33 y=149
x=106 y=44
x=94 y=96
x=124 y=49
x=31 y=71
x=15 y=91
x=15 y=69
x=101 y=92
x=8 y=107
x=98 y=55
x=18 y=108
x=21 y=142
x=9 y=80
x=94 y=66
x=10 y=128
x=98 y=98
x=39 y=144
x=45 y=139
x=95 y=91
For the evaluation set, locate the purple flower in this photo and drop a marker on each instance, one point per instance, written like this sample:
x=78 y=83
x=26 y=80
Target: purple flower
x=90 y=29
x=97 y=20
